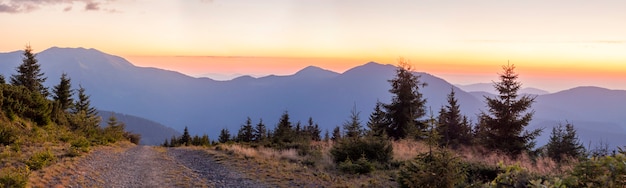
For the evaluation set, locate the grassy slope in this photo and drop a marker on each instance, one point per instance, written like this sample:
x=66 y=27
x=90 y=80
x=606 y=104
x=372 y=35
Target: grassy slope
x=287 y=169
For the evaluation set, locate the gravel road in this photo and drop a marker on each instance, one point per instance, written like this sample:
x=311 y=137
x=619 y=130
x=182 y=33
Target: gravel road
x=147 y=166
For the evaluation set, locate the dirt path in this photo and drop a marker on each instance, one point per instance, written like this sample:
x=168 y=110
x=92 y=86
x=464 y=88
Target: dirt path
x=146 y=166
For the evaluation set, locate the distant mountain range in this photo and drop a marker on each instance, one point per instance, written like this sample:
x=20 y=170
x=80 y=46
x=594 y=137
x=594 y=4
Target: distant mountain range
x=206 y=105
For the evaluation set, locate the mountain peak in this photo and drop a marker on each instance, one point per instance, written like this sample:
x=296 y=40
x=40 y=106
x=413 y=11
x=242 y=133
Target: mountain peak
x=315 y=72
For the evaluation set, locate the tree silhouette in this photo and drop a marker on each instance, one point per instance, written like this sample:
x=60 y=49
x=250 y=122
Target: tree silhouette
x=453 y=127
x=29 y=74
x=407 y=104
x=377 y=123
x=564 y=143
x=186 y=138
x=63 y=93
x=224 y=136
x=502 y=128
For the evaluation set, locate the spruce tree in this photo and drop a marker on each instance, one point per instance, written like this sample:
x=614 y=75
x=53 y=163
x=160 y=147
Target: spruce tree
x=260 y=132
x=313 y=130
x=2 y=80
x=224 y=136
x=246 y=132
x=84 y=115
x=502 y=127
x=63 y=93
x=83 y=104
x=407 y=104
x=284 y=130
x=186 y=138
x=377 y=123
x=336 y=134
x=564 y=143
x=353 y=125
x=29 y=74
x=452 y=126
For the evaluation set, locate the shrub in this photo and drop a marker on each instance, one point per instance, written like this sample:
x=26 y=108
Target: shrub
x=81 y=144
x=7 y=135
x=361 y=166
x=134 y=138
x=40 y=160
x=478 y=173
x=608 y=171
x=374 y=149
x=14 y=177
x=439 y=169
x=513 y=176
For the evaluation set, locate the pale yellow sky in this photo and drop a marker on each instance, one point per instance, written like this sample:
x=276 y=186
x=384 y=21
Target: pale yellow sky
x=581 y=40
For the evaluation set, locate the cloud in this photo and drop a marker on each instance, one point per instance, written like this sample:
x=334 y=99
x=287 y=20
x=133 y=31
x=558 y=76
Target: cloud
x=92 y=6
x=26 y=6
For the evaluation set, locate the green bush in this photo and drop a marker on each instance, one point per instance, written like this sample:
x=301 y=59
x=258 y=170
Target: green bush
x=479 y=174
x=608 y=171
x=439 y=169
x=361 y=166
x=40 y=160
x=8 y=135
x=374 y=149
x=513 y=176
x=81 y=144
x=14 y=177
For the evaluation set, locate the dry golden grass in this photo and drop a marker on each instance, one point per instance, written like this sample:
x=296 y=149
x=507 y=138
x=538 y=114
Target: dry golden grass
x=286 y=168
x=540 y=165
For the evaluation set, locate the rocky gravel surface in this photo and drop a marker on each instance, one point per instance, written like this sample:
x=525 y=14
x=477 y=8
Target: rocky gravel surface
x=147 y=166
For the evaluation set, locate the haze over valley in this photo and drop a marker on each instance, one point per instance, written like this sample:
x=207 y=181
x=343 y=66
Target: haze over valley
x=206 y=106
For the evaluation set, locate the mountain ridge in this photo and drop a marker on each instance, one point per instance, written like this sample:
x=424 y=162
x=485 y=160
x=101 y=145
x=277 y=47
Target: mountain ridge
x=206 y=105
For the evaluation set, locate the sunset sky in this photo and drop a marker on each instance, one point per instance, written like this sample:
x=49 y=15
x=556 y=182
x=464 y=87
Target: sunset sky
x=556 y=44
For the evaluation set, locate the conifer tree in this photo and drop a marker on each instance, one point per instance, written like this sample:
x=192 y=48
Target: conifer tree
x=336 y=134
x=84 y=104
x=260 y=132
x=313 y=130
x=453 y=127
x=246 y=132
x=502 y=127
x=284 y=130
x=84 y=115
x=29 y=74
x=326 y=135
x=2 y=80
x=186 y=138
x=564 y=143
x=352 y=127
x=63 y=93
x=407 y=104
x=224 y=136
x=377 y=123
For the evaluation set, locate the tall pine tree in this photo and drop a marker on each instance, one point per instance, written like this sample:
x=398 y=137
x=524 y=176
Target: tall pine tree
x=63 y=93
x=502 y=127
x=453 y=127
x=246 y=132
x=377 y=123
x=407 y=104
x=260 y=132
x=85 y=116
x=353 y=126
x=29 y=74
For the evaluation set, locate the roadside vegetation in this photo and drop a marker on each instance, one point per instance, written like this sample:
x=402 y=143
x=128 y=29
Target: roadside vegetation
x=405 y=144
x=39 y=128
